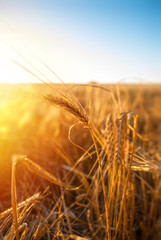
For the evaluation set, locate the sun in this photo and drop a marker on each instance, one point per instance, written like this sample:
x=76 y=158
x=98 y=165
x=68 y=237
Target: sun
x=9 y=72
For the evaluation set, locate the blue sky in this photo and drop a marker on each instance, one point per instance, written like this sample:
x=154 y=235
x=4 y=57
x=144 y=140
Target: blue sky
x=85 y=40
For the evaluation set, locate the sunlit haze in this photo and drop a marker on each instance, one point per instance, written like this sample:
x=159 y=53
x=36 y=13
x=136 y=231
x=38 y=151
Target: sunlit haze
x=81 y=41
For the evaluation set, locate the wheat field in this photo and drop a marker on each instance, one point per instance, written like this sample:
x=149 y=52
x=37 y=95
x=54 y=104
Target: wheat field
x=80 y=161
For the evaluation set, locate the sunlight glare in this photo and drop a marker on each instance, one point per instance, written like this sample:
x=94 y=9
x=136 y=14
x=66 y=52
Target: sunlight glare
x=9 y=72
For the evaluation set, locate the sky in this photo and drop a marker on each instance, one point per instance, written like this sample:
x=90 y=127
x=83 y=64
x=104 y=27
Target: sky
x=81 y=40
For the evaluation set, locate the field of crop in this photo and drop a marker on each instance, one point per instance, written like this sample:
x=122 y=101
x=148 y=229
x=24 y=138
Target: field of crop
x=80 y=162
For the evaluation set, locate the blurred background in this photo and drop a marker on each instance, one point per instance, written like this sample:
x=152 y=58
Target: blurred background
x=81 y=40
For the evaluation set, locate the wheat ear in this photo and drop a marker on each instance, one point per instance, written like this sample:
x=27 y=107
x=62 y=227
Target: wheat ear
x=68 y=106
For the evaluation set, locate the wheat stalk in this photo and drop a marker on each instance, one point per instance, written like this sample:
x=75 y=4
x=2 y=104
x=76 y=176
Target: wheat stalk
x=72 y=108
